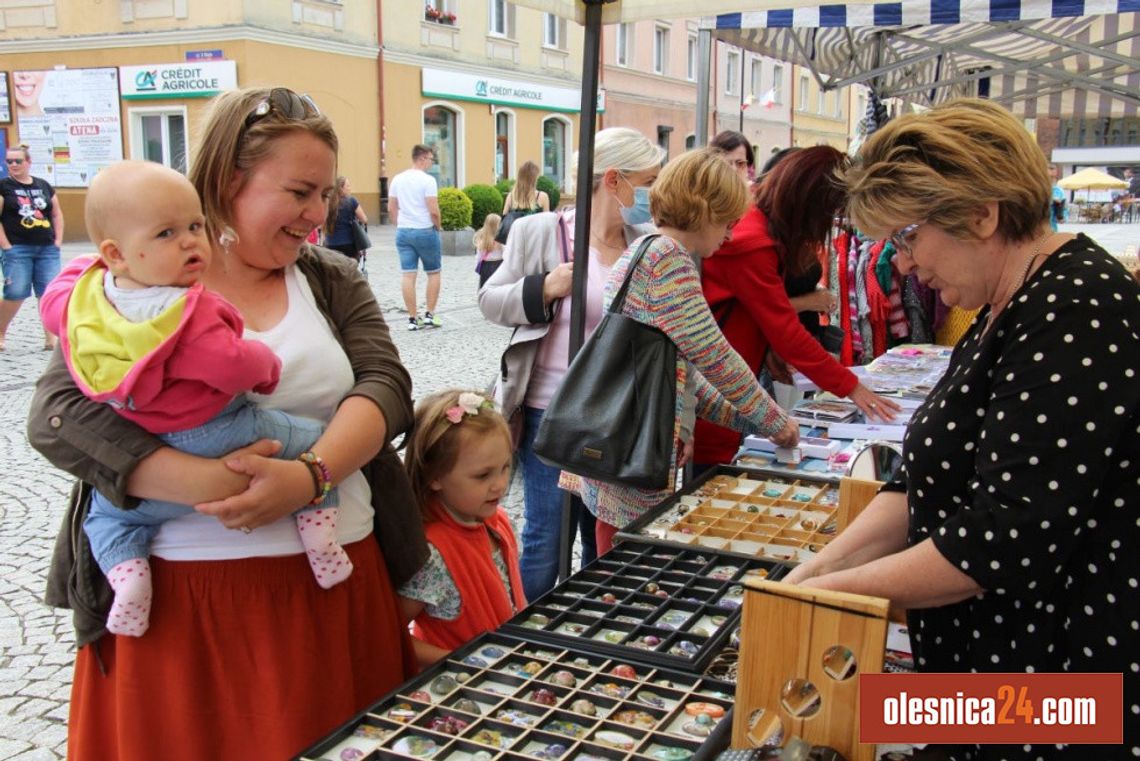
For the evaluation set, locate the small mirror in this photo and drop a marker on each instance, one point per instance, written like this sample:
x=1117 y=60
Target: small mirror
x=876 y=461
x=800 y=698
x=839 y=663
x=765 y=729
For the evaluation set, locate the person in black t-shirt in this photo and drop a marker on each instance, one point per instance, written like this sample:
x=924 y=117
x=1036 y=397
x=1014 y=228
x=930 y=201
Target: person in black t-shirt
x=32 y=229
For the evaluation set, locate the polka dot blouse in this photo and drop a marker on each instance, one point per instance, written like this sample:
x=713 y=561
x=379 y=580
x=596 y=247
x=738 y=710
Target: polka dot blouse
x=1023 y=466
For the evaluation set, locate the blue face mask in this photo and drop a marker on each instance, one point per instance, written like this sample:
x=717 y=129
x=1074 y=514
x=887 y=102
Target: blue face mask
x=638 y=214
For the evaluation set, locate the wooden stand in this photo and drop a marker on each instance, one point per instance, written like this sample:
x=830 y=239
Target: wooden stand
x=801 y=653
x=854 y=494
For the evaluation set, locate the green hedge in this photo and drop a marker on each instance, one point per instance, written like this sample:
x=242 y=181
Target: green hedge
x=504 y=187
x=454 y=209
x=548 y=186
x=485 y=199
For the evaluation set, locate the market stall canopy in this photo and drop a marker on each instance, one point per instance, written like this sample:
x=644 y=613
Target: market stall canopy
x=1037 y=57
x=1092 y=179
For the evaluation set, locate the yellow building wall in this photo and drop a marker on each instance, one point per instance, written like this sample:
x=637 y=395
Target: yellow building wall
x=350 y=99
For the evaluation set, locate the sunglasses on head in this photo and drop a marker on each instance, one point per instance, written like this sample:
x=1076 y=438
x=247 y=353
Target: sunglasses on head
x=282 y=101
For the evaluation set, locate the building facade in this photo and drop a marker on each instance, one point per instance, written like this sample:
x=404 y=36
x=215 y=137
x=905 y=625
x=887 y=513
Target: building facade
x=750 y=94
x=649 y=74
x=819 y=117
x=91 y=83
x=486 y=84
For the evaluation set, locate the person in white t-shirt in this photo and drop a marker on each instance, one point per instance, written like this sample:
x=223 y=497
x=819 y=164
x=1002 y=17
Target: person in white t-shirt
x=413 y=205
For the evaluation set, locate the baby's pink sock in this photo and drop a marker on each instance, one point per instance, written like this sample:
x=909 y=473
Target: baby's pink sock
x=328 y=559
x=130 y=611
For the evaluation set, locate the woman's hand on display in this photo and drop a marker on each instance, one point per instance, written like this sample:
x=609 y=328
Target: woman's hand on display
x=788 y=436
x=276 y=489
x=558 y=282
x=686 y=449
x=873 y=406
x=802 y=573
x=819 y=300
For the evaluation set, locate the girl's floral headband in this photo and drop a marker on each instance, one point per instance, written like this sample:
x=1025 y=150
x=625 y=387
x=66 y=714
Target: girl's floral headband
x=469 y=404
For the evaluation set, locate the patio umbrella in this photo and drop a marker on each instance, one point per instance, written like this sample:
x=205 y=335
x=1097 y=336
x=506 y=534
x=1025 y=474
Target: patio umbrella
x=1092 y=179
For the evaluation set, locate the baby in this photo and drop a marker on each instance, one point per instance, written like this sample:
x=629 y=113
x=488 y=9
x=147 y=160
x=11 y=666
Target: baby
x=139 y=332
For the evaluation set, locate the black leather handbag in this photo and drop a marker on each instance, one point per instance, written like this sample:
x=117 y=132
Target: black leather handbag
x=612 y=417
x=360 y=240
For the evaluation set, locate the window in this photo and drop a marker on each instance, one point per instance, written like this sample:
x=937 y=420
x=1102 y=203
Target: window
x=803 y=92
x=839 y=98
x=661 y=50
x=732 y=72
x=439 y=135
x=778 y=84
x=622 y=41
x=553 y=31
x=663 y=132
x=504 y=126
x=821 y=101
x=690 y=142
x=755 y=83
x=159 y=135
x=555 y=132
x=861 y=105
x=691 y=59
x=501 y=18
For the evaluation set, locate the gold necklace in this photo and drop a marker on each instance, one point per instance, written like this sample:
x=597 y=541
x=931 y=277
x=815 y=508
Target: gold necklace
x=997 y=308
x=606 y=243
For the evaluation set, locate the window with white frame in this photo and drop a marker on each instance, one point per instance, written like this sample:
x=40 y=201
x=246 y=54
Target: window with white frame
x=501 y=18
x=778 y=84
x=821 y=101
x=755 y=83
x=804 y=90
x=839 y=98
x=555 y=134
x=553 y=31
x=661 y=50
x=691 y=59
x=622 y=41
x=159 y=135
x=732 y=73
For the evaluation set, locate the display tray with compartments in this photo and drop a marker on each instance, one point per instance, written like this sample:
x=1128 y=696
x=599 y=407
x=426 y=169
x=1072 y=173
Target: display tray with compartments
x=500 y=698
x=747 y=513
x=666 y=606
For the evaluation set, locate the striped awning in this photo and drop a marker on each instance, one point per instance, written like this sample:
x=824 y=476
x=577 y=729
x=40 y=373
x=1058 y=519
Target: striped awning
x=1039 y=57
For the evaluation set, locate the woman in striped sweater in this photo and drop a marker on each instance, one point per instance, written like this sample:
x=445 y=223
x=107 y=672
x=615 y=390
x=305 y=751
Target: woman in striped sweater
x=694 y=201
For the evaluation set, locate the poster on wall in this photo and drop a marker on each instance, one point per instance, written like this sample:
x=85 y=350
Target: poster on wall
x=69 y=119
x=5 y=113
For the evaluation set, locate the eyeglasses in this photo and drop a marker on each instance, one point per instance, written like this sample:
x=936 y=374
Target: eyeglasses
x=902 y=238
x=283 y=101
x=15 y=161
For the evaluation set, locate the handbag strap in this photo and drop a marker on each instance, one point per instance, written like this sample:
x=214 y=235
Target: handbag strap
x=563 y=239
x=619 y=299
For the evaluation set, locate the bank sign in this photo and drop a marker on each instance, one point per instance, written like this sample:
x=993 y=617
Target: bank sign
x=457 y=85
x=197 y=79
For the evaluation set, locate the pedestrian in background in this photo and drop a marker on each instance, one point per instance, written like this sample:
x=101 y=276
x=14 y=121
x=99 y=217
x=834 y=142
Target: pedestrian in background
x=245 y=656
x=737 y=151
x=529 y=292
x=344 y=209
x=413 y=206
x=524 y=199
x=31 y=231
x=488 y=251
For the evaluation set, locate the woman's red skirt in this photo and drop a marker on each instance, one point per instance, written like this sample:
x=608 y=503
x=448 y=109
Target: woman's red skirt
x=244 y=659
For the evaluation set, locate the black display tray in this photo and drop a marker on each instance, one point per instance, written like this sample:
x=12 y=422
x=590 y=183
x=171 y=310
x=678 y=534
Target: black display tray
x=639 y=591
x=747 y=521
x=492 y=713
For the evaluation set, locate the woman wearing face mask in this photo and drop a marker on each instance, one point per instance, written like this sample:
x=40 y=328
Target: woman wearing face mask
x=527 y=293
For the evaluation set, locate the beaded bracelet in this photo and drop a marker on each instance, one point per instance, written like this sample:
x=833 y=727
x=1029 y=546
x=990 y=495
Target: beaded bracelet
x=322 y=477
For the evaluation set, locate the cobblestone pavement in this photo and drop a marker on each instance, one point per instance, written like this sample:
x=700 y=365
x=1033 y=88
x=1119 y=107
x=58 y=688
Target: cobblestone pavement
x=36 y=642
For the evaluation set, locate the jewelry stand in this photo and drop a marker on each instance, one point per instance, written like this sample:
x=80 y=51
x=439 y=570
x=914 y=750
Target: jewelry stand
x=801 y=653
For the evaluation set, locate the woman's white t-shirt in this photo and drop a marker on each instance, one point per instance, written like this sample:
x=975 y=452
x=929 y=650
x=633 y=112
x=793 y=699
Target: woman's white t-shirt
x=315 y=376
